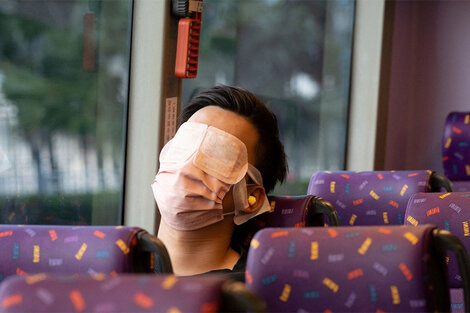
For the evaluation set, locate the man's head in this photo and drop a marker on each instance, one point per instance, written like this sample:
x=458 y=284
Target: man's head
x=260 y=135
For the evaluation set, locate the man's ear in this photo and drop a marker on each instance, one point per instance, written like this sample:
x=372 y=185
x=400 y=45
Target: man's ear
x=256 y=196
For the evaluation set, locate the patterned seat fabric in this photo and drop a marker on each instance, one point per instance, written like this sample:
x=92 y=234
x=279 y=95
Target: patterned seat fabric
x=28 y=249
x=461 y=185
x=449 y=211
x=456 y=148
x=457 y=300
x=372 y=197
x=123 y=293
x=288 y=211
x=348 y=269
x=298 y=211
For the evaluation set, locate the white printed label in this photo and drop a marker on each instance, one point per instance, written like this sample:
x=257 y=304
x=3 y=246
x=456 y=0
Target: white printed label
x=170 y=118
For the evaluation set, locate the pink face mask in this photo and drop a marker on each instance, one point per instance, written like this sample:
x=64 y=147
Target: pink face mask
x=197 y=169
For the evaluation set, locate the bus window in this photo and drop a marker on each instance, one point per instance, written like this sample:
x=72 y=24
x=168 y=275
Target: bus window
x=64 y=71
x=296 y=56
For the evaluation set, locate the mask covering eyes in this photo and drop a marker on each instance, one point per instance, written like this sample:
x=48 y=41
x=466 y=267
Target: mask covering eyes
x=197 y=169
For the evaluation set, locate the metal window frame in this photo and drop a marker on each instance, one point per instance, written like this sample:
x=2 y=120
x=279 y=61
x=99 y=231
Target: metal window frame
x=365 y=83
x=145 y=93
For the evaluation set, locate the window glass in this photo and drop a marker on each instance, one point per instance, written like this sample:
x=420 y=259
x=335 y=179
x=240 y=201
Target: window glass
x=296 y=56
x=64 y=70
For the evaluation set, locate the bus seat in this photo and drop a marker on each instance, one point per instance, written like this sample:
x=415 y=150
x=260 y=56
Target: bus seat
x=457 y=302
x=456 y=150
x=373 y=197
x=126 y=293
x=461 y=185
x=298 y=211
x=352 y=269
x=288 y=211
x=450 y=211
x=29 y=249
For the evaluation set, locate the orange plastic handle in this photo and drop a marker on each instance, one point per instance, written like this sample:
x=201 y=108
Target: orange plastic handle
x=187 y=49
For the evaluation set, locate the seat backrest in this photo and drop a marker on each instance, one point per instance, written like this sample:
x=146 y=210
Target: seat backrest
x=372 y=197
x=348 y=269
x=126 y=293
x=29 y=249
x=456 y=146
x=457 y=302
x=449 y=211
x=289 y=211
x=461 y=185
x=298 y=211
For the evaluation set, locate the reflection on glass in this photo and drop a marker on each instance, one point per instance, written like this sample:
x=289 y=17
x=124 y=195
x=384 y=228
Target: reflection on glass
x=63 y=100
x=296 y=56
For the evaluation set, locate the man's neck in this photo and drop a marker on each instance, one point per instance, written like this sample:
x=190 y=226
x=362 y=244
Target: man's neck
x=199 y=251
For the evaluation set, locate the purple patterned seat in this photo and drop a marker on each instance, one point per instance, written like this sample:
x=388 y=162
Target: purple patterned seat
x=351 y=269
x=450 y=211
x=289 y=211
x=461 y=185
x=456 y=150
x=126 y=293
x=373 y=197
x=457 y=302
x=298 y=211
x=29 y=249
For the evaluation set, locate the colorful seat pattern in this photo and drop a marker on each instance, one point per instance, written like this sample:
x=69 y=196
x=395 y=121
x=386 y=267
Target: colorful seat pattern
x=456 y=147
x=29 y=249
x=289 y=211
x=348 y=269
x=124 y=293
x=449 y=211
x=298 y=211
x=371 y=197
x=457 y=302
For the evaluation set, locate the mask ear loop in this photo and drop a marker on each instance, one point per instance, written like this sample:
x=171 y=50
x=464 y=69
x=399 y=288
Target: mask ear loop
x=239 y=201
x=240 y=195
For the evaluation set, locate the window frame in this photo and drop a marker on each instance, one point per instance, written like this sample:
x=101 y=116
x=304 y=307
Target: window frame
x=145 y=111
x=365 y=83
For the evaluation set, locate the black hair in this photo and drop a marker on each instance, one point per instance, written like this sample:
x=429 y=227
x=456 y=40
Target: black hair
x=270 y=155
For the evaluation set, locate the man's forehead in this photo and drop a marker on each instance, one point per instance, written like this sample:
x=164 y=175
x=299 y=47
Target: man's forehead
x=214 y=115
x=231 y=123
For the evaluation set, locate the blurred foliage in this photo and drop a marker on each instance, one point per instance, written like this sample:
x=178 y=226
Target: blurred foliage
x=59 y=209
x=296 y=56
x=50 y=89
x=290 y=188
x=265 y=46
x=42 y=65
x=41 y=56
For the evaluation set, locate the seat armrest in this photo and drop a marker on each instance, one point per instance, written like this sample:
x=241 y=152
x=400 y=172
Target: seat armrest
x=152 y=253
x=318 y=205
x=237 y=298
x=438 y=182
x=447 y=241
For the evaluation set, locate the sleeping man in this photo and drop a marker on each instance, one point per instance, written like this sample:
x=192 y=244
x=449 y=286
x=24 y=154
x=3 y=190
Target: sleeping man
x=214 y=175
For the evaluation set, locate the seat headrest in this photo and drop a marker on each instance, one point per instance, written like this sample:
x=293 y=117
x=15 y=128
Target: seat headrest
x=370 y=197
x=29 y=249
x=456 y=146
x=339 y=269
x=101 y=293
x=449 y=211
